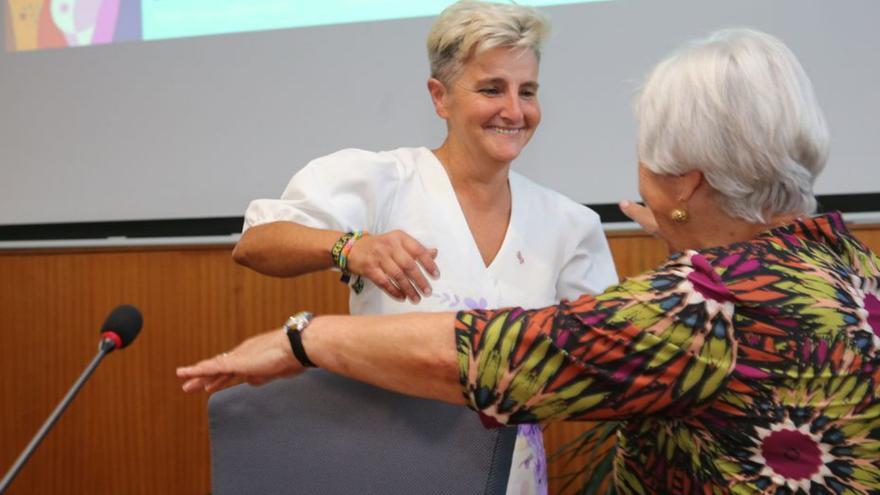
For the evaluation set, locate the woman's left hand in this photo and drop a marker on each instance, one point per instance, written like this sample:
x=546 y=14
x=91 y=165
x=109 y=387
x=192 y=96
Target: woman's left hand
x=256 y=361
x=641 y=215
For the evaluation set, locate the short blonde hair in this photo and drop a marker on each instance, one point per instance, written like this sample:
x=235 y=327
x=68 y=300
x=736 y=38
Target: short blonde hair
x=468 y=27
x=738 y=107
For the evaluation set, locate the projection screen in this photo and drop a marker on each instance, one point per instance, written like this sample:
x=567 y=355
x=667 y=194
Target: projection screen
x=121 y=111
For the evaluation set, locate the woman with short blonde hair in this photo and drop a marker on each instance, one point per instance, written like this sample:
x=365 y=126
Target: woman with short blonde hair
x=449 y=228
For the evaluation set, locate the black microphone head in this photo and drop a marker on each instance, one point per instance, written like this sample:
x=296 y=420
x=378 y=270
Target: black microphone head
x=125 y=323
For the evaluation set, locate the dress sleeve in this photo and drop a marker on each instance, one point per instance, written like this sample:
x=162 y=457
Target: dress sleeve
x=347 y=190
x=658 y=344
x=590 y=269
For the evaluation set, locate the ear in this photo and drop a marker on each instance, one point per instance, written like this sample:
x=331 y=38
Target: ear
x=438 y=97
x=689 y=183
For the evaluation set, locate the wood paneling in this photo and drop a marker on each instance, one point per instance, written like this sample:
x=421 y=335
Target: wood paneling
x=131 y=430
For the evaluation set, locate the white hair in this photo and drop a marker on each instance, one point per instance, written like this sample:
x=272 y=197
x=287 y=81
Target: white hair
x=739 y=107
x=467 y=28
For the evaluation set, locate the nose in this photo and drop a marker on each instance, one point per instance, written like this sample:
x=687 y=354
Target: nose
x=512 y=109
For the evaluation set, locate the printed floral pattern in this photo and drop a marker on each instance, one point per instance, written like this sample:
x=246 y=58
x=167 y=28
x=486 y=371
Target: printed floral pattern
x=455 y=301
x=752 y=368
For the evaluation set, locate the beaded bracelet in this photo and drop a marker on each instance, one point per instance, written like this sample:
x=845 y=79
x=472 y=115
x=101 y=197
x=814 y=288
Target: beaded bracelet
x=346 y=249
x=336 y=250
x=340 y=252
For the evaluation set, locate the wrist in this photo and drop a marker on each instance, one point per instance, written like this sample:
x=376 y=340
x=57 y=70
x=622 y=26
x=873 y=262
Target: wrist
x=340 y=253
x=322 y=349
x=295 y=328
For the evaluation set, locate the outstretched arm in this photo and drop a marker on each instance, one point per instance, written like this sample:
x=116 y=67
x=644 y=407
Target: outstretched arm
x=658 y=344
x=414 y=354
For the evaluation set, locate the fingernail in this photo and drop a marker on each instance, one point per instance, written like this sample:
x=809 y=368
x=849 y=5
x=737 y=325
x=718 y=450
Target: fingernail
x=427 y=291
x=624 y=203
x=435 y=274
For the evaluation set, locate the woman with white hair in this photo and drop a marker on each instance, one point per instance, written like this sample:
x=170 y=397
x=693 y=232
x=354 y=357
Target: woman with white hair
x=450 y=228
x=747 y=362
x=738 y=111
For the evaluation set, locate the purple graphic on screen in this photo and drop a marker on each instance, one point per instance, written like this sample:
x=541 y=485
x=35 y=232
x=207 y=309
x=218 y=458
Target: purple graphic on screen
x=128 y=24
x=106 y=21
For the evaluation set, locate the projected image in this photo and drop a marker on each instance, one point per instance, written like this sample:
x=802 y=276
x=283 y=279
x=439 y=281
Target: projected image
x=42 y=24
x=163 y=19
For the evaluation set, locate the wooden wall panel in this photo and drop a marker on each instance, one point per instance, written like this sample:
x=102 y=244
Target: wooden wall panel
x=131 y=430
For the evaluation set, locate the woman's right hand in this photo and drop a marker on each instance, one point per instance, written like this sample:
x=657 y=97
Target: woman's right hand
x=396 y=263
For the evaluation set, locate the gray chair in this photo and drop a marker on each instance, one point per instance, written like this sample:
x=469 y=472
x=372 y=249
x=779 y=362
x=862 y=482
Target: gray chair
x=325 y=434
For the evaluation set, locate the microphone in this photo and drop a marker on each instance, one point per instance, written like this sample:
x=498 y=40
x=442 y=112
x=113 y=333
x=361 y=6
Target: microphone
x=121 y=326
x=118 y=331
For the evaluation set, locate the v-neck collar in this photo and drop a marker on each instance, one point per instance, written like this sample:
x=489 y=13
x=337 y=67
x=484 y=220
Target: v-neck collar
x=439 y=180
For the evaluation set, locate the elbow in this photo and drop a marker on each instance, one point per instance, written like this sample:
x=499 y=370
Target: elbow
x=242 y=254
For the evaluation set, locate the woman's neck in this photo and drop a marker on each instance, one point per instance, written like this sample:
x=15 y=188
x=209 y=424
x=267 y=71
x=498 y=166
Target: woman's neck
x=725 y=230
x=472 y=175
x=484 y=196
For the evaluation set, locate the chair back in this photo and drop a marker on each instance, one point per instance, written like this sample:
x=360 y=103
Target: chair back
x=321 y=433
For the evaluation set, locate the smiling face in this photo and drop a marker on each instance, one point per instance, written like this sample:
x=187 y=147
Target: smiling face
x=492 y=108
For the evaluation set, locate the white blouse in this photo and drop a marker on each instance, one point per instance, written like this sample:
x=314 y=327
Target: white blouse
x=553 y=249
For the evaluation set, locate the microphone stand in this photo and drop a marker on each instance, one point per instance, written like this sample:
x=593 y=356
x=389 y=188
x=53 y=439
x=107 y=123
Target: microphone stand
x=104 y=348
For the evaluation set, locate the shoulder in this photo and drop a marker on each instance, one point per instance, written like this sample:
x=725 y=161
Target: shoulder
x=542 y=200
x=725 y=274
x=354 y=159
x=745 y=260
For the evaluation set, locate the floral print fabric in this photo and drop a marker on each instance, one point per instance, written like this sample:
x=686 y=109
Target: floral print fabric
x=749 y=368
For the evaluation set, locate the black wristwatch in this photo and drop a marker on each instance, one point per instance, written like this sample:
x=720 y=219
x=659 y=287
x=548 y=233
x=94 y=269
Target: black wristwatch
x=294 y=327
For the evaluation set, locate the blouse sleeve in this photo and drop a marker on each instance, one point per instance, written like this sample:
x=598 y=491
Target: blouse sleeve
x=657 y=344
x=347 y=190
x=590 y=269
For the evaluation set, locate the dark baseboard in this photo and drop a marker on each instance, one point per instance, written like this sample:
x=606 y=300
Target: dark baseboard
x=181 y=227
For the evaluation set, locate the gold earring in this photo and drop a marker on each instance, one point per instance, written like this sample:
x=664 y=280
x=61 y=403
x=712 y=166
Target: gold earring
x=679 y=215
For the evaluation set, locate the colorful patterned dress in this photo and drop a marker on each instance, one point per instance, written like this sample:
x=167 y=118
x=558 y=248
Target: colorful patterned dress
x=749 y=368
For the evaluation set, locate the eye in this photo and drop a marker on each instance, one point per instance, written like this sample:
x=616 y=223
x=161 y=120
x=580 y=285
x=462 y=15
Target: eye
x=490 y=91
x=528 y=93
